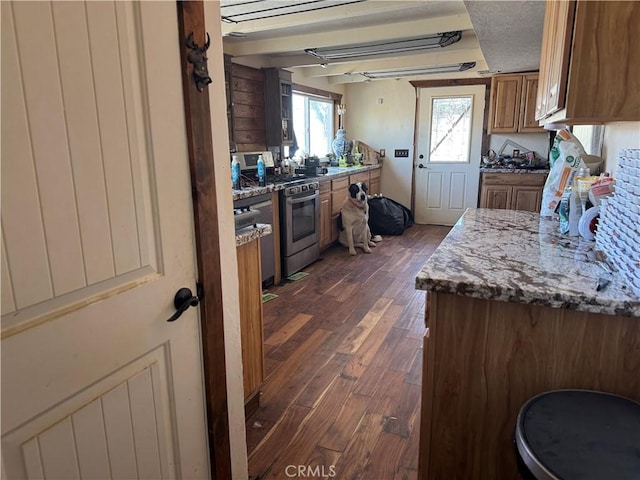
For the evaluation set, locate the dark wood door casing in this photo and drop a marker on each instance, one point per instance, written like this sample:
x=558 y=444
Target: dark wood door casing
x=207 y=235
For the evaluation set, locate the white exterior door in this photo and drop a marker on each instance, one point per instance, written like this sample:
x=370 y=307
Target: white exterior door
x=448 y=151
x=97 y=236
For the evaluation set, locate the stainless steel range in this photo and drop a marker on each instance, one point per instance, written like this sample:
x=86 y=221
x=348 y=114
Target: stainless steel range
x=299 y=225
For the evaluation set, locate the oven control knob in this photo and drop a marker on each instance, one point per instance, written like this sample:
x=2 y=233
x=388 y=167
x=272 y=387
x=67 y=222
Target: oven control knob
x=305 y=188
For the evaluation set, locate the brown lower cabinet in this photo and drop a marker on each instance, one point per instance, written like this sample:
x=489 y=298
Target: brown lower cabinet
x=339 y=191
x=483 y=359
x=251 y=331
x=325 y=215
x=333 y=193
x=374 y=182
x=512 y=191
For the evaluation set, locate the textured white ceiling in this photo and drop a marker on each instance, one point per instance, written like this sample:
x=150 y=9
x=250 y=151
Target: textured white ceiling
x=509 y=33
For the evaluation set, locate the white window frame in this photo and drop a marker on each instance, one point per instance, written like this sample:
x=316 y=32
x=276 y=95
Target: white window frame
x=307 y=139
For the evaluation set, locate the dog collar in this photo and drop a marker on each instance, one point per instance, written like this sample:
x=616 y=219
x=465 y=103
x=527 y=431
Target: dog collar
x=357 y=204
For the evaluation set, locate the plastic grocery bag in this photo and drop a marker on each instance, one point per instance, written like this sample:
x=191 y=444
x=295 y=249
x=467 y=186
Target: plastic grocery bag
x=565 y=158
x=388 y=217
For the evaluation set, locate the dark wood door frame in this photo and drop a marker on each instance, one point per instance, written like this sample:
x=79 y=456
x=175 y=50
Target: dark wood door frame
x=207 y=236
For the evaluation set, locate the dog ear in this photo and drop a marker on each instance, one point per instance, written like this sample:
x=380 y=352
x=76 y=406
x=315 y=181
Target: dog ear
x=364 y=187
x=353 y=190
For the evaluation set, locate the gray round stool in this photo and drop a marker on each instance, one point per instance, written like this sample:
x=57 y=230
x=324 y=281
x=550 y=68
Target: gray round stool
x=579 y=434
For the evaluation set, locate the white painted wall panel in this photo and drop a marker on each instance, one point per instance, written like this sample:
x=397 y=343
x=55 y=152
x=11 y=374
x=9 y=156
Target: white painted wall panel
x=58 y=452
x=32 y=463
x=22 y=228
x=117 y=420
x=8 y=303
x=75 y=185
x=108 y=80
x=40 y=77
x=160 y=401
x=91 y=442
x=143 y=417
x=84 y=138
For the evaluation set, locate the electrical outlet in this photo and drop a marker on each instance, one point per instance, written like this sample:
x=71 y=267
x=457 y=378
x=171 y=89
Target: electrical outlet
x=383 y=152
x=401 y=153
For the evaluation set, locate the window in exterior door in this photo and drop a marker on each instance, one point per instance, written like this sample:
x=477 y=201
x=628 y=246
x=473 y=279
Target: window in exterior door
x=312 y=124
x=450 y=137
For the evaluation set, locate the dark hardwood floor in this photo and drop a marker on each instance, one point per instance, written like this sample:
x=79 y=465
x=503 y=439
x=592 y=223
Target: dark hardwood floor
x=343 y=350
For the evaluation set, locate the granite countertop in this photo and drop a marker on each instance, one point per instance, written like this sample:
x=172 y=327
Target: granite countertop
x=512 y=170
x=333 y=172
x=337 y=172
x=518 y=256
x=249 y=234
x=249 y=192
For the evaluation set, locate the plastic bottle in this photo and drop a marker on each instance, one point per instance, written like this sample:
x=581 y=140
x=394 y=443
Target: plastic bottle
x=575 y=212
x=235 y=173
x=262 y=172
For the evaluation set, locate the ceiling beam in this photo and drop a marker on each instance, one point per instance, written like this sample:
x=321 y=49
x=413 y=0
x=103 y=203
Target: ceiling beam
x=457 y=82
x=333 y=38
x=397 y=64
x=357 y=78
x=318 y=16
x=468 y=42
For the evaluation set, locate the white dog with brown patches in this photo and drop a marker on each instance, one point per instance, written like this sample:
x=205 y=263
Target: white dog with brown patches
x=354 y=221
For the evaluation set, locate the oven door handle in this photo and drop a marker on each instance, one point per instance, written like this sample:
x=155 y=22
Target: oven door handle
x=302 y=197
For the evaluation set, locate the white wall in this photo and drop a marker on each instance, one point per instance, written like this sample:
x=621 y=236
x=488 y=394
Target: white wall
x=616 y=137
x=382 y=115
x=538 y=142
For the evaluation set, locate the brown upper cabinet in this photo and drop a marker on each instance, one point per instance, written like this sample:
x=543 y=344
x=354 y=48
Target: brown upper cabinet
x=513 y=102
x=589 y=62
x=228 y=81
x=278 y=107
x=245 y=101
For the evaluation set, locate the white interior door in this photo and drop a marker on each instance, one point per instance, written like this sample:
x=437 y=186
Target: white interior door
x=97 y=236
x=448 y=151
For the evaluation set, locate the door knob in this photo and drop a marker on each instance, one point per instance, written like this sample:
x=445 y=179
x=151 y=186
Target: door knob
x=421 y=166
x=182 y=300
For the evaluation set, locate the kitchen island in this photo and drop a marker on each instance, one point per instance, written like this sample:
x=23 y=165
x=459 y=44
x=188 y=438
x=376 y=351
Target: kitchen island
x=513 y=311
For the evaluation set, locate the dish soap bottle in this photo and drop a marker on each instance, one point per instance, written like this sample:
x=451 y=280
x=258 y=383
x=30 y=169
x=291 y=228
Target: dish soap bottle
x=262 y=174
x=235 y=173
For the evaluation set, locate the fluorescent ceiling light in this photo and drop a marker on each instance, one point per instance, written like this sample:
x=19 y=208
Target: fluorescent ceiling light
x=235 y=11
x=386 y=47
x=457 y=67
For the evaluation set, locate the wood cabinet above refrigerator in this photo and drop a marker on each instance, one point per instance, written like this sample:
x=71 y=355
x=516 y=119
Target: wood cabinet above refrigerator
x=513 y=103
x=589 y=67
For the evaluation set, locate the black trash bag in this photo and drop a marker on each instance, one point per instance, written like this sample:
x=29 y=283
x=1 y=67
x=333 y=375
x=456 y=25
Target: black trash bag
x=388 y=217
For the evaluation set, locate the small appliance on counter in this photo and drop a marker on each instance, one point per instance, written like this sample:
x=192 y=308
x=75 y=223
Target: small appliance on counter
x=311 y=168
